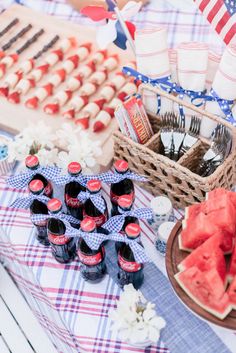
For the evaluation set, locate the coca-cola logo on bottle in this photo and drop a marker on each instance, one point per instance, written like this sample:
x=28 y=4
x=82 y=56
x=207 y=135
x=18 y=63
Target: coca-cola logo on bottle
x=100 y=220
x=128 y=266
x=48 y=189
x=58 y=239
x=72 y=201
x=114 y=197
x=90 y=260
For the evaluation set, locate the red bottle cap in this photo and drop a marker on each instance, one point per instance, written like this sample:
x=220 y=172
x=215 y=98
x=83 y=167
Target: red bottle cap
x=121 y=166
x=74 y=168
x=31 y=161
x=36 y=186
x=88 y=225
x=94 y=185
x=125 y=201
x=54 y=205
x=132 y=230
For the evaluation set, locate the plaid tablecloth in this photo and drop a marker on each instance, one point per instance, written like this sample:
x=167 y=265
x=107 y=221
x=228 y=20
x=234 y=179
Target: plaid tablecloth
x=182 y=25
x=74 y=312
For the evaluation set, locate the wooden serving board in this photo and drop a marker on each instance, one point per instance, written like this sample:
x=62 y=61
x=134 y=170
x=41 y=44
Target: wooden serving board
x=173 y=257
x=14 y=118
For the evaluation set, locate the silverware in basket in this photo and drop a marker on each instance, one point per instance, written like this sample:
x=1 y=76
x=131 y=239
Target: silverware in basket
x=178 y=136
x=191 y=136
x=218 y=152
x=167 y=133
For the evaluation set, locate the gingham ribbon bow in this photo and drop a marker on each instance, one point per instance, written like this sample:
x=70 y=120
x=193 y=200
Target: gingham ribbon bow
x=19 y=181
x=224 y=104
x=66 y=219
x=25 y=202
x=167 y=85
x=117 y=177
x=83 y=179
x=96 y=199
x=116 y=223
x=94 y=240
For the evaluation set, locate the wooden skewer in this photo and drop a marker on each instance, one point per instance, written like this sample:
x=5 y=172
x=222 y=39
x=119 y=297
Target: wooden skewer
x=9 y=26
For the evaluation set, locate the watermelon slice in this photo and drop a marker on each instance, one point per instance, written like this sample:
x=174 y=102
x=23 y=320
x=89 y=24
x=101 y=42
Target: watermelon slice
x=219 y=192
x=232 y=265
x=195 y=231
x=232 y=293
x=207 y=256
x=206 y=289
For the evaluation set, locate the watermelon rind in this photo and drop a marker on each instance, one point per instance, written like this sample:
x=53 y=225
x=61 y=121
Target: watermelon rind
x=181 y=247
x=220 y=316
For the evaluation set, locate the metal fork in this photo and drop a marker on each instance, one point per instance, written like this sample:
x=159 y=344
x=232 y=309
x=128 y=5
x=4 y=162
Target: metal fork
x=167 y=134
x=191 y=136
x=178 y=136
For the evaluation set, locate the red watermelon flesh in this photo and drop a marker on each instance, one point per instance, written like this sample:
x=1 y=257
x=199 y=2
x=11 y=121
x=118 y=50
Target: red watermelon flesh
x=207 y=256
x=219 y=192
x=206 y=289
x=232 y=264
x=193 y=210
x=195 y=231
x=232 y=293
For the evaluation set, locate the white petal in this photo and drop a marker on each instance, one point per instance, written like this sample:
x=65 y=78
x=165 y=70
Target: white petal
x=153 y=334
x=131 y=9
x=148 y=314
x=158 y=322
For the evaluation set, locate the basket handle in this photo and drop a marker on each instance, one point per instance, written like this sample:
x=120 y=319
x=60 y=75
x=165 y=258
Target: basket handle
x=187 y=105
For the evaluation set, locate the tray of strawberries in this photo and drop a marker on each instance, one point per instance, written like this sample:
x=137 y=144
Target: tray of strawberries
x=201 y=258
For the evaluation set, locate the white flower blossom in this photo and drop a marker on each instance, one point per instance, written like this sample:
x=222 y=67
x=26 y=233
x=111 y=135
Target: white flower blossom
x=134 y=319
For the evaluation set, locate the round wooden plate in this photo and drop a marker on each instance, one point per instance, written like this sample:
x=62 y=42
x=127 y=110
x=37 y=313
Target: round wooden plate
x=173 y=257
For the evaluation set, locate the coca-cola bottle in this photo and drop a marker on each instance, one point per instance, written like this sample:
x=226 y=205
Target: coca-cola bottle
x=123 y=187
x=72 y=190
x=38 y=207
x=32 y=163
x=129 y=270
x=90 y=210
x=93 y=267
x=63 y=247
x=125 y=203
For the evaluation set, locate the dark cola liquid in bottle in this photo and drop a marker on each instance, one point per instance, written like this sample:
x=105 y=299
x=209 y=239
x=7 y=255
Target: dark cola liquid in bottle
x=124 y=187
x=92 y=262
x=72 y=190
x=129 y=270
x=38 y=207
x=32 y=163
x=90 y=210
x=63 y=247
x=125 y=203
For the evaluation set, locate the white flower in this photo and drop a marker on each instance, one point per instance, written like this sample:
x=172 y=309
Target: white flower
x=67 y=135
x=47 y=157
x=135 y=319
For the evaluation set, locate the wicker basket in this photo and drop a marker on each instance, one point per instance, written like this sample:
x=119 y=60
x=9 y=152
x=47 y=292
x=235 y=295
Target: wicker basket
x=177 y=180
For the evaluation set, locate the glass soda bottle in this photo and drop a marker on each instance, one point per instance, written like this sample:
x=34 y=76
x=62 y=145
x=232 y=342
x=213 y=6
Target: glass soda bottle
x=129 y=270
x=90 y=210
x=63 y=247
x=72 y=190
x=93 y=267
x=38 y=207
x=123 y=187
x=125 y=203
x=32 y=163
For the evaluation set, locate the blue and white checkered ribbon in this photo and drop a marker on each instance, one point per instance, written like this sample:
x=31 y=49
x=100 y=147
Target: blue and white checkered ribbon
x=25 y=202
x=66 y=219
x=21 y=180
x=116 y=223
x=96 y=199
x=224 y=104
x=107 y=177
x=94 y=240
x=117 y=177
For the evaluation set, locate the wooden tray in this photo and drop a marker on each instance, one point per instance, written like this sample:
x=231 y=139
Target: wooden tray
x=14 y=117
x=173 y=257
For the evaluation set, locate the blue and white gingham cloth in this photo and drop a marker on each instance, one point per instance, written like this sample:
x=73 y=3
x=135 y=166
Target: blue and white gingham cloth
x=107 y=177
x=25 y=202
x=96 y=199
x=21 y=180
x=66 y=219
x=115 y=224
x=117 y=177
